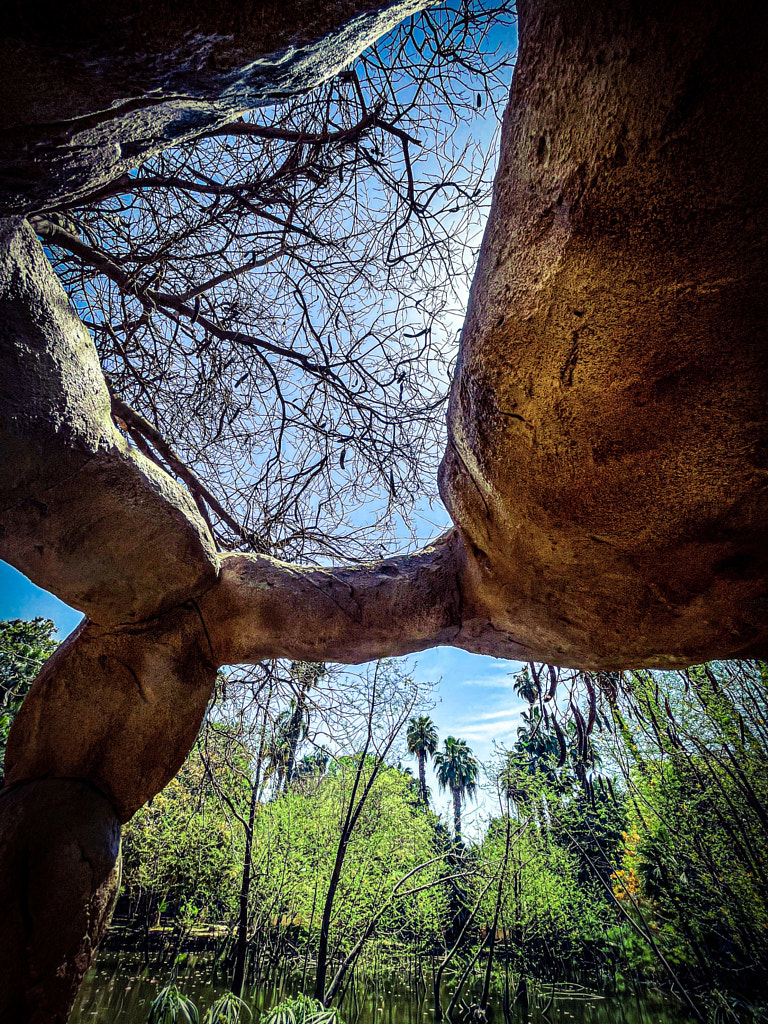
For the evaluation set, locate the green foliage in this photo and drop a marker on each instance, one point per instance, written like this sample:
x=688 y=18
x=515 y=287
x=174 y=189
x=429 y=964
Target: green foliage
x=693 y=748
x=660 y=817
x=526 y=686
x=24 y=649
x=291 y=726
x=171 y=1007
x=548 y=913
x=302 y=1010
x=183 y=851
x=296 y=839
x=457 y=770
x=421 y=739
x=592 y=829
x=567 y=831
x=421 y=736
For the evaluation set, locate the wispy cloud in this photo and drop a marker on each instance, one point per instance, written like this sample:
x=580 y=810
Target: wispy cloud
x=489 y=731
x=502 y=681
x=502 y=713
x=453 y=664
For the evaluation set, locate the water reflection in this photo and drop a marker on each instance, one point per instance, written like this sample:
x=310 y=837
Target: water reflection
x=118 y=991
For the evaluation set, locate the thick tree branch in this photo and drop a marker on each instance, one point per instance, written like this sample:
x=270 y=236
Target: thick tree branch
x=81 y=513
x=393 y=607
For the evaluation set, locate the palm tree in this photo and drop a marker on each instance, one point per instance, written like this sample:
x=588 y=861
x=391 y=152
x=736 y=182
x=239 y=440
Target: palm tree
x=291 y=726
x=287 y=731
x=311 y=767
x=305 y=675
x=457 y=770
x=526 y=687
x=422 y=743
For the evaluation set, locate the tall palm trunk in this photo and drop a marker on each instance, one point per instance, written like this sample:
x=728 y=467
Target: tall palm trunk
x=294 y=734
x=457 y=815
x=422 y=758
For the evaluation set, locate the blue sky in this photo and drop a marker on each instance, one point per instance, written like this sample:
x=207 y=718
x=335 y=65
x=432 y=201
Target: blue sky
x=20 y=599
x=473 y=701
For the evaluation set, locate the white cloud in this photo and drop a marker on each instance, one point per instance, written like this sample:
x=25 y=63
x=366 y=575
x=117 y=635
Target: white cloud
x=502 y=713
x=500 y=680
x=490 y=731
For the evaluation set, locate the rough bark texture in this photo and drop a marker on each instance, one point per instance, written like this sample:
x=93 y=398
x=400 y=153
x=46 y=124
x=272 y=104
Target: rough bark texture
x=607 y=462
x=456 y=794
x=119 y=707
x=81 y=513
x=423 y=792
x=59 y=849
x=264 y=608
x=89 y=90
x=606 y=467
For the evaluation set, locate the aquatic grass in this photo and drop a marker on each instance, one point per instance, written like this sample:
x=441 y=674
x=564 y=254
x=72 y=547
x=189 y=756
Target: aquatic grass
x=226 y=1010
x=302 y=1010
x=171 y=1007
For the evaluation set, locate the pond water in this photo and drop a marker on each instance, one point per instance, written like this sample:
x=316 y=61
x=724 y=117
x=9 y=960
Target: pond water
x=119 y=991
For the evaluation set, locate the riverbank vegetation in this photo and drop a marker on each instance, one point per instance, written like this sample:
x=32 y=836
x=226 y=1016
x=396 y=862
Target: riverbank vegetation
x=625 y=844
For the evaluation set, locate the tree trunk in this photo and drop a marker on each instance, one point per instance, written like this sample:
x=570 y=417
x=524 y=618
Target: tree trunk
x=238 y=976
x=438 y=974
x=456 y=793
x=485 y=994
x=59 y=847
x=422 y=758
x=354 y=810
x=330 y=895
x=154 y=75
x=295 y=729
x=350 y=820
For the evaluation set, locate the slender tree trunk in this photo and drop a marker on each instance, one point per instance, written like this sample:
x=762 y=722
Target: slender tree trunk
x=353 y=813
x=457 y=816
x=352 y=956
x=463 y=979
x=309 y=934
x=497 y=911
x=644 y=932
x=245 y=886
x=438 y=975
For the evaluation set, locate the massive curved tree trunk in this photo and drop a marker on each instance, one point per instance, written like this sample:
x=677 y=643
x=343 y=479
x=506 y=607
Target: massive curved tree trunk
x=607 y=456
x=90 y=91
x=606 y=467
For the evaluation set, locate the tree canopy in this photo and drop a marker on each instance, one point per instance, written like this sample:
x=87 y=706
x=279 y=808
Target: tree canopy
x=24 y=647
